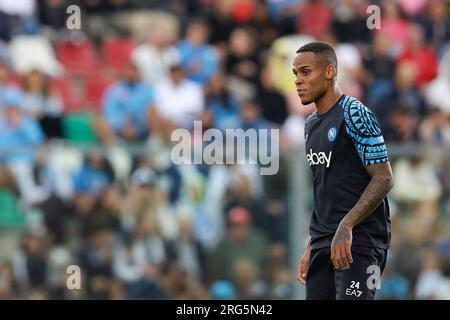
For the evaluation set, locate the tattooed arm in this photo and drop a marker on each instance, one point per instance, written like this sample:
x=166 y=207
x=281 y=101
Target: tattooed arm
x=378 y=187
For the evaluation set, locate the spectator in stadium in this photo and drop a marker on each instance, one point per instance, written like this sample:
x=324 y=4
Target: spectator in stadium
x=31 y=264
x=222 y=290
x=251 y=117
x=395 y=25
x=265 y=24
x=435 y=128
x=240 y=194
x=155 y=57
x=315 y=18
x=188 y=251
x=420 y=55
x=277 y=275
x=95 y=258
x=194 y=204
x=444 y=178
x=436 y=25
x=276 y=204
x=442 y=243
x=240 y=241
x=127 y=108
x=138 y=259
x=408 y=252
x=394 y=285
x=412 y=9
x=431 y=284
x=103 y=214
x=179 y=101
x=5 y=27
x=378 y=75
x=56 y=189
x=7 y=180
x=247 y=279
x=350 y=21
x=416 y=181
x=221 y=105
x=179 y=285
x=273 y=104
x=402 y=127
x=242 y=59
x=90 y=182
x=221 y=23
x=17 y=130
x=436 y=92
x=42 y=103
x=52 y=13
x=421 y=200
x=406 y=92
x=8 y=286
x=350 y=64
x=95 y=174
x=198 y=58
x=43 y=57
x=5 y=78
x=147 y=194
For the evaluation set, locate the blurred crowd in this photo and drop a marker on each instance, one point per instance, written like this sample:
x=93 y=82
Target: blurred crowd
x=86 y=117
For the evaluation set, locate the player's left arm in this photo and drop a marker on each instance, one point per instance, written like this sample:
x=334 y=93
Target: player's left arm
x=369 y=143
x=380 y=184
x=378 y=187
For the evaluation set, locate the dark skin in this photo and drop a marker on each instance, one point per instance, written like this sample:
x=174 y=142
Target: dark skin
x=316 y=82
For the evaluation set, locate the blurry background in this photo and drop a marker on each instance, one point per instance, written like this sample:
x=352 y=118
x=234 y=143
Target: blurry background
x=85 y=121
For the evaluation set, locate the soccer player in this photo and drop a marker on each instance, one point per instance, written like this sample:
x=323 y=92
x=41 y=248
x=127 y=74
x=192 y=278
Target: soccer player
x=350 y=226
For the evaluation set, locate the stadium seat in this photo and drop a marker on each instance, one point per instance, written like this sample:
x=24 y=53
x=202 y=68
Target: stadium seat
x=64 y=87
x=10 y=215
x=78 y=128
x=116 y=52
x=78 y=59
x=94 y=90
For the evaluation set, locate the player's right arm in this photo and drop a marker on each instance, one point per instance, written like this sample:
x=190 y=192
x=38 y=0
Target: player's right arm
x=302 y=268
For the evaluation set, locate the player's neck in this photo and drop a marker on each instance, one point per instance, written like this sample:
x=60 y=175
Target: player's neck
x=328 y=100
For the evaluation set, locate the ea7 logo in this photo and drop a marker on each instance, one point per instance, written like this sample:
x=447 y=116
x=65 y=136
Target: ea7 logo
x=353 y=290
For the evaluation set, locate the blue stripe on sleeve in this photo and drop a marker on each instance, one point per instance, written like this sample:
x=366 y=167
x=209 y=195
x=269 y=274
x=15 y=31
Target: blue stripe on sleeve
x=364 y=130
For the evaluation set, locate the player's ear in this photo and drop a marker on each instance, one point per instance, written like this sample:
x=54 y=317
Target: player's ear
x=331 y=72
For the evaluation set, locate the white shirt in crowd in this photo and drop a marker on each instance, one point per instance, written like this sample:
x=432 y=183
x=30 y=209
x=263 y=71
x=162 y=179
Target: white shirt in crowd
x=154 y=64
x=182 y=103
x=23 y=8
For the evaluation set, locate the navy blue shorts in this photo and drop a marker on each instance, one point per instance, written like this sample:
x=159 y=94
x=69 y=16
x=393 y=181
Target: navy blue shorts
x=359 y=282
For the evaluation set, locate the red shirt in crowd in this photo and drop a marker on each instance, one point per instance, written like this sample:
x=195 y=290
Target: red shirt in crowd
x=425 y=60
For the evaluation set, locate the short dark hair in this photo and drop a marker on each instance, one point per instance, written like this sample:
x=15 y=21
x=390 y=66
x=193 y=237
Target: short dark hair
x=324 y=50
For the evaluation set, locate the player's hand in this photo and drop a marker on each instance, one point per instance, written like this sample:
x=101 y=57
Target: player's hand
x=341 y=254
x=302 y=268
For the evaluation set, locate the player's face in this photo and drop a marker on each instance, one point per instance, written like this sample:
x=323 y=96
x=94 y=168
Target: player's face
x=310 y=77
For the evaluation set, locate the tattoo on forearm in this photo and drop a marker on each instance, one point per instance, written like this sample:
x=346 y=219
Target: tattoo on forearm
x=341 y=236
x=371 y=198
